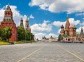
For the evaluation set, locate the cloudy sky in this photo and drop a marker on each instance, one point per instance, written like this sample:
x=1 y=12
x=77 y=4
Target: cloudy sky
x=46 y=16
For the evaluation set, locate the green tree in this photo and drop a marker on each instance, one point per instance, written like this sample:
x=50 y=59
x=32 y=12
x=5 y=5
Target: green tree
x=6 y=33
x=24 y=35
x=0 y=33
x=27 y=35
x=60 y=37
x=21 y=33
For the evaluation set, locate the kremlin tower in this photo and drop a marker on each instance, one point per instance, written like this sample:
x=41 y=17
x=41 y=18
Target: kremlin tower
x=9 y=22
x=27 y=27
x=21 y=23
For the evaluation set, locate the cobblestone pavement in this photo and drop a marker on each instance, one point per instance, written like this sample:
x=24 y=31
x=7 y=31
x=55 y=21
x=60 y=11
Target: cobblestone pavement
x=43 y=52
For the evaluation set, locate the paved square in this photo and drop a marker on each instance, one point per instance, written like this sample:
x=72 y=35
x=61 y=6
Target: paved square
x=43 y=52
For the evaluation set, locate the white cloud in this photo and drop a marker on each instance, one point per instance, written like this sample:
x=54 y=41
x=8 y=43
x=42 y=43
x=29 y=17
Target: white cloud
x=80 y=14
x=58 y=23
x=1 y=14
x=44 y=27
x=59 y=5
x=39 y=29
x=59 y=31
x=31 y=17
x=82 y=24
x=71 y=20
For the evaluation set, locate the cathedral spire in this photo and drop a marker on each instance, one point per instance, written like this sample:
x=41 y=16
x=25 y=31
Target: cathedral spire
x=67 y=23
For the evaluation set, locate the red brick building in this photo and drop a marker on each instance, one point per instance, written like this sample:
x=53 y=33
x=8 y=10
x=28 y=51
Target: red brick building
x=9 y=22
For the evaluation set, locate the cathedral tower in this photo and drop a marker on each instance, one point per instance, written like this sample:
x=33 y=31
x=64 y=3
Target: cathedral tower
x=67 y=25
x=71 y=31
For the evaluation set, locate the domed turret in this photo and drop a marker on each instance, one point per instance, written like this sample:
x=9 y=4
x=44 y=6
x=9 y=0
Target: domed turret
x=62 y=30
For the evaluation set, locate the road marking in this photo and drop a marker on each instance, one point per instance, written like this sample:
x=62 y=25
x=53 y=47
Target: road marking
x=71 y=53
x=29 y=55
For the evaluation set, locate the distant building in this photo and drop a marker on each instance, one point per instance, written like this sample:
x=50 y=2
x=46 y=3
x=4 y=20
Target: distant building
x=44 y=38
x=50 y=39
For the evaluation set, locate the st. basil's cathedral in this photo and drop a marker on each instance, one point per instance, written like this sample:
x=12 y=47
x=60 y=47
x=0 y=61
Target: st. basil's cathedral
x=68 y=33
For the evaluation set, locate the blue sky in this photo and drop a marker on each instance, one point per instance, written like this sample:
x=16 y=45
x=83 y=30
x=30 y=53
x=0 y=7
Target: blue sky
x=46 y=16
